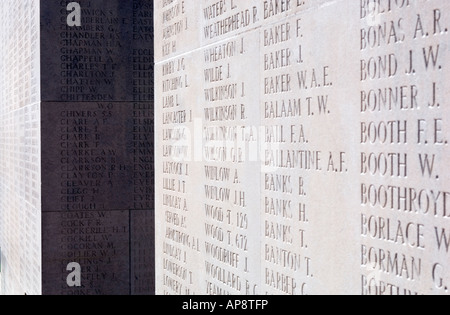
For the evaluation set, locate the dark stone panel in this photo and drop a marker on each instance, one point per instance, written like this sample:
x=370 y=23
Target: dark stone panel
x=97 y=156
x=108 y=58
x=98 y=241
x=142 y=252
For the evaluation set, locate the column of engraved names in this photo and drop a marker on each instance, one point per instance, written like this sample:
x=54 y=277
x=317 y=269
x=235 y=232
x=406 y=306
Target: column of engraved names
x=91 y=239
x=282 y=258
x=142 y=215
x=86 y=63
x=180 y=245
x=229 y=142
x=226 y=224
x=85 y=229
x=403 y=190
x=143 y=57
x=87 y=165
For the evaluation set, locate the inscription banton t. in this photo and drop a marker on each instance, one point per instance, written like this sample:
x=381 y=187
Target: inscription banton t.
x=97 y=146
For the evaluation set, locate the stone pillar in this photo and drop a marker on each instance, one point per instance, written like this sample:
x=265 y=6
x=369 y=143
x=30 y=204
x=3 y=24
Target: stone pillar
x=302 y=147
x=94 y=147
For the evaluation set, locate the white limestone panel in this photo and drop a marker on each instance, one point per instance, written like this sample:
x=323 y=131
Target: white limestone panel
x=345 y=184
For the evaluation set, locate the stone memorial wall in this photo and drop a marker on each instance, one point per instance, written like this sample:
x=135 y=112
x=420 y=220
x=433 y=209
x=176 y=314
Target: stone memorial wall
x=302 y=147
x=76 y=147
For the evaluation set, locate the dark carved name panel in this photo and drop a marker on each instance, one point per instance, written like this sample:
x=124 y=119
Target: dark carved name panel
x=302 y=147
